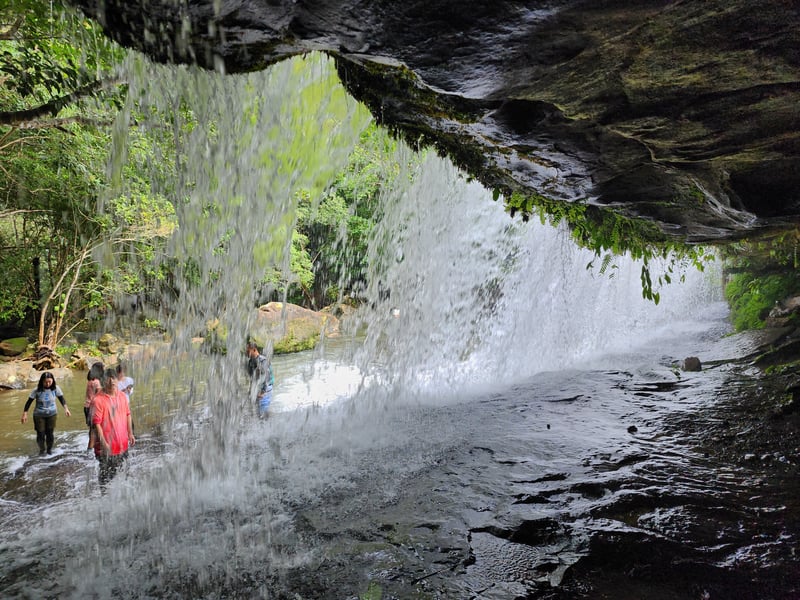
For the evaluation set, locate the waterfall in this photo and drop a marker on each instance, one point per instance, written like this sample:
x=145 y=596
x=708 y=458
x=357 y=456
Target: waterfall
x=464 y=300
x=477 y=298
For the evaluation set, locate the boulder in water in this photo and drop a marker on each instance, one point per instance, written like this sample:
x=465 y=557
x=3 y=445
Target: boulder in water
x=14 y=375
x=691 y=363
x=13 y=346
x=109 y=344
x=291 y=328
x=286 y=327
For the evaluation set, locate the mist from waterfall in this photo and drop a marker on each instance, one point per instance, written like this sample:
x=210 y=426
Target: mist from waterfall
x=463 y=301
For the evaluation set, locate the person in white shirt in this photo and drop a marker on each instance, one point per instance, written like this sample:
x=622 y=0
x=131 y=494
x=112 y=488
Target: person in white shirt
x=125 y=385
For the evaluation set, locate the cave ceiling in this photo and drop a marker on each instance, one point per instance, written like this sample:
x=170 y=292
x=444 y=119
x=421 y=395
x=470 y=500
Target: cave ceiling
x=685 y=113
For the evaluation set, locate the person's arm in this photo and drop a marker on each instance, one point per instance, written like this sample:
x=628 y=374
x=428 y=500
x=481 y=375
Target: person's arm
x=99 y=435
x=24 y=418
x=264 y=371
x=60 y=396
x=96 y=431
x=131 y=439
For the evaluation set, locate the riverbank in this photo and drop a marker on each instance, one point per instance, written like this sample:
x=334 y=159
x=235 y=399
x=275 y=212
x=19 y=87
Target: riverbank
x=283 y=327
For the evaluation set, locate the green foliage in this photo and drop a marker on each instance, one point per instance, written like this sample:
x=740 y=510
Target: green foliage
x=374 y=592
x=289 y=344
x=44 y=170
x=65 y=351
x=338 y=225
x=56 y=113
x=609 y=234
x=115 y=230
x=761 y=272
x=751 y=297
x=153 y=324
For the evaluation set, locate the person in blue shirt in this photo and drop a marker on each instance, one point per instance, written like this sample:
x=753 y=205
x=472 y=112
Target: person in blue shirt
x=261 y=378
x=44 y=413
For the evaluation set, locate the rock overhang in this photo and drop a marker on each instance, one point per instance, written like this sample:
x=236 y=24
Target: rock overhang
x=684 y=113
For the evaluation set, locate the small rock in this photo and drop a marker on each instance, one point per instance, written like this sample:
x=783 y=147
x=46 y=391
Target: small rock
x=633 y=429
x=691 y=363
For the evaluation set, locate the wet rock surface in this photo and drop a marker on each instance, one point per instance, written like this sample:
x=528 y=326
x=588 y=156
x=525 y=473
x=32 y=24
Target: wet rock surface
x=537 y=491
x=700 y=502
x=682 y=112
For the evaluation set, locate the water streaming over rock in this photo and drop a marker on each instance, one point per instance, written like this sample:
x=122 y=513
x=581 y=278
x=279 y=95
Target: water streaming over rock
x=470 y=448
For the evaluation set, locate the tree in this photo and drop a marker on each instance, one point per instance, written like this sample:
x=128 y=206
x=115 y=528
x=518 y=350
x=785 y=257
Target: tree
x=58 y=97
x=338 y=226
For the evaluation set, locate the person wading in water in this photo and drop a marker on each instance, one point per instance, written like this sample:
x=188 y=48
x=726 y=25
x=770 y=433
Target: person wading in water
x=111 y=419
x=45 y=412
x=261 y=378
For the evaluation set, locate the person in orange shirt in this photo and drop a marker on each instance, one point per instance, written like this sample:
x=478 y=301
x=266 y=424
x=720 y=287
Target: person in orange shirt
x=111 y=422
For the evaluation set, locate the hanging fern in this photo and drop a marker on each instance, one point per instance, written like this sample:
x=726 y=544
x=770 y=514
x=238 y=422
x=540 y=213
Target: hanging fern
x=609 y=234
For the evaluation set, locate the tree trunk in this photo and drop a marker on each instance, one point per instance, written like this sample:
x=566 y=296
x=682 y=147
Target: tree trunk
x=37 y=279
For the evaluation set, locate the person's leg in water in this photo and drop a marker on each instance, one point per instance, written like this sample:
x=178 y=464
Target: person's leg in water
x=86 y=414
x=49 y=429
x=108 y=468
x=39 y=425
x=263 y=404
x=109 y=465
x=106 y=473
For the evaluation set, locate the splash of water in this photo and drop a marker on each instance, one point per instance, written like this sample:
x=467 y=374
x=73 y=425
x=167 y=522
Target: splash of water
x=463 y=300
x=246 y=146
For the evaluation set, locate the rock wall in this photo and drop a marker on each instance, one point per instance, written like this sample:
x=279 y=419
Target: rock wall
x=683 y=112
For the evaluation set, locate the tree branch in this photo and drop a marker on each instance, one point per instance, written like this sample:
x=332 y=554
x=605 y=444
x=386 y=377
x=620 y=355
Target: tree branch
x=19 y=140
x=58 y=123
x=9 y=33
x=22 y=118
x=8 y=213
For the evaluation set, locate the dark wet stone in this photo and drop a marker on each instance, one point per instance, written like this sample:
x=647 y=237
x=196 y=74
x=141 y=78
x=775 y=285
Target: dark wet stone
x=691 y=363
x=531 y=499
x=681 y=112
x=531 y=532
x=633 y=565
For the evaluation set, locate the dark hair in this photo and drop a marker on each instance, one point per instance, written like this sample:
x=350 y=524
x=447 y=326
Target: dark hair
x=44 y=376
x=120 y=368
x=108 y=374
x=95 y=371
x=252 y=346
